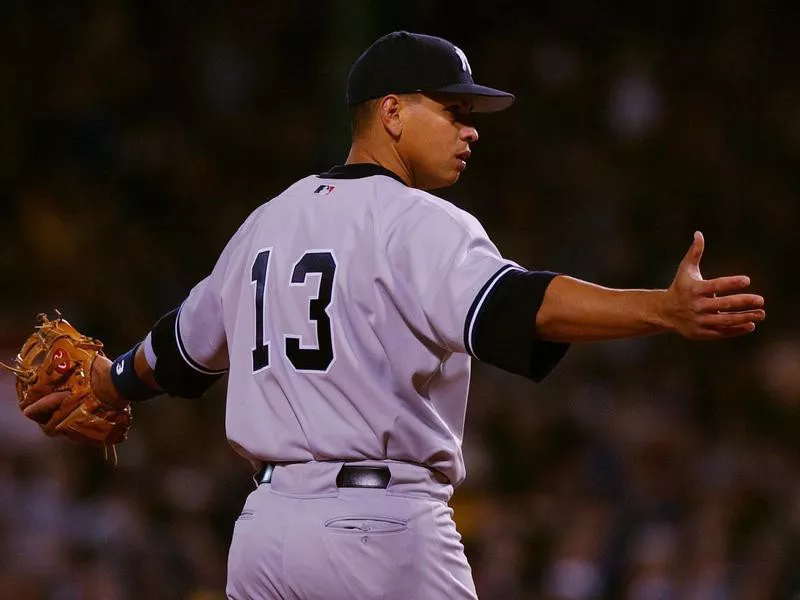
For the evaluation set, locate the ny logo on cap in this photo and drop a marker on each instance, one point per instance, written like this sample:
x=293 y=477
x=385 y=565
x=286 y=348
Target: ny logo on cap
x=464 y=61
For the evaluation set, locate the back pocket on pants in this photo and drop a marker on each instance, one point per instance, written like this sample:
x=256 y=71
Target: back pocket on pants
x=371 y=555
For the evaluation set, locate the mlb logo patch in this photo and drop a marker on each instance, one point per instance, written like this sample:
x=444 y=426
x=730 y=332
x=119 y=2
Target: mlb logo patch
x=324 y=190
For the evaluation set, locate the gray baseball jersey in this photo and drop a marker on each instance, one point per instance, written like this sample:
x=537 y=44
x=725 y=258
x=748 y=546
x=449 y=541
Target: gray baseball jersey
x=345 y=311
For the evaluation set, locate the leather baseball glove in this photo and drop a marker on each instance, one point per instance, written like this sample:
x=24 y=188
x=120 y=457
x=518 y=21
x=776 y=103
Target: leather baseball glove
x=55 y=358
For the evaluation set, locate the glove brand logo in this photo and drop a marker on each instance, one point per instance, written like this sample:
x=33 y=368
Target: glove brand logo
x=120 y=367
x=60 y=361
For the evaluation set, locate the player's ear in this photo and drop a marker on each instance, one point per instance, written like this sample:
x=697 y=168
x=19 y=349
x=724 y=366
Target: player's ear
x=389 y=113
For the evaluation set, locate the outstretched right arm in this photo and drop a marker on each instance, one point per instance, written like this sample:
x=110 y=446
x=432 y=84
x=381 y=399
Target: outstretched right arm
x=579 y=311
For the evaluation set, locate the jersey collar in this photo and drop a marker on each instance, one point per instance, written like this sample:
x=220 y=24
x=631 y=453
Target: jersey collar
x=358 y=171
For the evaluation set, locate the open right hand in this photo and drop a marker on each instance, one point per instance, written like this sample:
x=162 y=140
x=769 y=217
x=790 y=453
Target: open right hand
x=718 y=308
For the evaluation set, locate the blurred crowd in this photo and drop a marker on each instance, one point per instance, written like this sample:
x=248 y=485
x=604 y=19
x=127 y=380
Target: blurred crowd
x=136 y=136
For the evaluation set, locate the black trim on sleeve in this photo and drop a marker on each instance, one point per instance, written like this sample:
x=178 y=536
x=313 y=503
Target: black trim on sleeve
x=175 y=371
x=477 y=306
x=499 y=328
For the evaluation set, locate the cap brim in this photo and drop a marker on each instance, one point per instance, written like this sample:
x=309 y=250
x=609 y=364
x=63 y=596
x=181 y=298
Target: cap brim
x=484 y=99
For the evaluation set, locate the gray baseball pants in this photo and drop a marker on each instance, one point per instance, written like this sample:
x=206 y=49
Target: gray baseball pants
x=300 y=537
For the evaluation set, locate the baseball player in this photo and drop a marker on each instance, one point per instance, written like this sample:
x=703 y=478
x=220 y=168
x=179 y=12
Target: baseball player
x=346 y=311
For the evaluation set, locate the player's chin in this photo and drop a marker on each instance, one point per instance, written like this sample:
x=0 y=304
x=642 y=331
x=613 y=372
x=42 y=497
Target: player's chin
x=440 y=183
x=455 y=176
x=444 y=176
x=459 y=167
x=445 y=179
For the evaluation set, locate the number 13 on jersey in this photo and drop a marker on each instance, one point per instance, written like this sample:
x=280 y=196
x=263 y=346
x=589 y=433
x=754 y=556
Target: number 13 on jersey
x=303 y=358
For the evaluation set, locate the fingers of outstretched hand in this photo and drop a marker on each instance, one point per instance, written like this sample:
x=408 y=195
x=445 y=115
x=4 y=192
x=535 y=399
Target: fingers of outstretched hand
x=727 y=332
x=732 y=303
x=722 y=285
x=726 y=320
x=43 y=408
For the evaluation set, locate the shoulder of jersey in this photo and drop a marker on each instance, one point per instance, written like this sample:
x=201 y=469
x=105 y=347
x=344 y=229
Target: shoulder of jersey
x=400 y=203
x=419 y=201
x=397 y=196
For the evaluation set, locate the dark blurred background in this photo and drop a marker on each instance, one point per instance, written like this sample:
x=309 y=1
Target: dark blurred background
x=136 y=136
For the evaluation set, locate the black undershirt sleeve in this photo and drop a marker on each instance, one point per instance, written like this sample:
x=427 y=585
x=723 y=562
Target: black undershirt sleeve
x=500 y=328
x=175 y=371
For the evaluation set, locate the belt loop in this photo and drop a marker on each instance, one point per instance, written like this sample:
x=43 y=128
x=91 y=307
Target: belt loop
x=264 y=474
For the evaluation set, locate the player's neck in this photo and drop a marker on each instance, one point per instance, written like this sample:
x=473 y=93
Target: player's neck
x=361 y=152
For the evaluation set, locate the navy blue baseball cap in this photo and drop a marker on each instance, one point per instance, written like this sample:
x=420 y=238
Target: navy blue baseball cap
x=405 y=63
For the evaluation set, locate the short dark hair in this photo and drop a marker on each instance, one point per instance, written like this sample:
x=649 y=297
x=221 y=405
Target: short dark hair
x=361 y=114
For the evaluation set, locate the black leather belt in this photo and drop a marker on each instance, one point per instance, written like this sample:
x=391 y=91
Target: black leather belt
x=349 y=476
